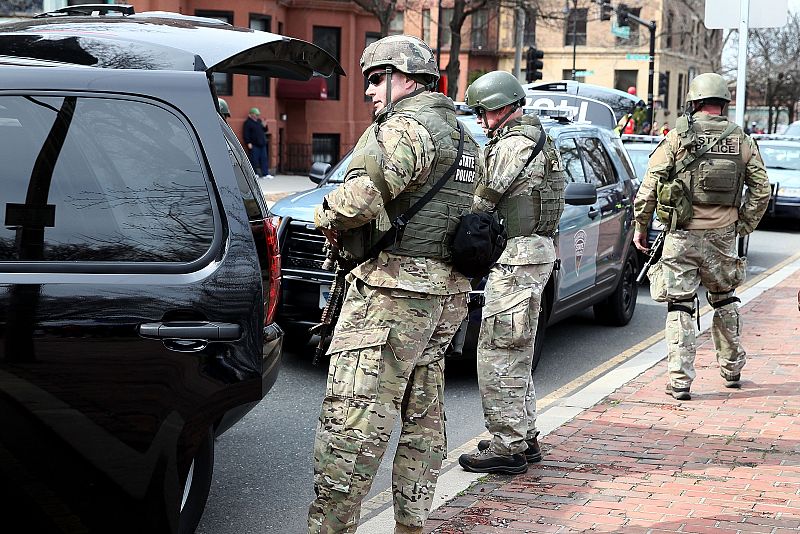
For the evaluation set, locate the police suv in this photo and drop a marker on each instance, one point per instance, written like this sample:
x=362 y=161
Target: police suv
x=597 y=263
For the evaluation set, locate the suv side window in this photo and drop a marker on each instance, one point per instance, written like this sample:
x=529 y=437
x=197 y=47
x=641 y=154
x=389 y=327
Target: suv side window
x=100 y=179
x=596 y=162
x=572 y=159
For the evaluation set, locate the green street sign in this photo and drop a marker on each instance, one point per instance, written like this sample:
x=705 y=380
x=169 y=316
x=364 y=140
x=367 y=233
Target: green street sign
x=584 y=72
x=620 y=31
x=638 y=57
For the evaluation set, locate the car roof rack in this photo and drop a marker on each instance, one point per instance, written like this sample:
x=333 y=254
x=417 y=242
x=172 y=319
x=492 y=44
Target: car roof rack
x=558 y=114
x=774 y=137
x=89 y=10
x=642 y=138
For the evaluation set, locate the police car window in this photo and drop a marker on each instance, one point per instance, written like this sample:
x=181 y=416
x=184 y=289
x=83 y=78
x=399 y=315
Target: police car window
x=596 y=162
x=121 y=181
x=783 y=157
x=572 y=159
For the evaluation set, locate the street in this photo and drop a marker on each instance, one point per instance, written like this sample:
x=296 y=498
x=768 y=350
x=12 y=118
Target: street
x=263 y=468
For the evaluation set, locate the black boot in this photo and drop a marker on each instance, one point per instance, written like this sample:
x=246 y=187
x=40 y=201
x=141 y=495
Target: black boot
x=533 y=453
x=487 y=461
x=678 y=393
x=733 y=382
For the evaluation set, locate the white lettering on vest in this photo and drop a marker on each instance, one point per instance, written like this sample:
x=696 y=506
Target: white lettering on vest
x=728 y=146
x=465 y=172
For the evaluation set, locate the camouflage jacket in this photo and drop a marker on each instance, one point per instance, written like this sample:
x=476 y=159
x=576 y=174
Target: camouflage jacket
x=408 y=151
x=504 y=165
x=663 y=160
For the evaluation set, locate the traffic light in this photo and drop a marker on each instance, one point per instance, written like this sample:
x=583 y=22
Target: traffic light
x=663 y=83
x=622 y=15
x=533 y=64
x=605 y=10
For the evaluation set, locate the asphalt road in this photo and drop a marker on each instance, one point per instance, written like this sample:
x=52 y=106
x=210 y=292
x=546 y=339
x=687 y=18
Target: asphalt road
x=263 y=466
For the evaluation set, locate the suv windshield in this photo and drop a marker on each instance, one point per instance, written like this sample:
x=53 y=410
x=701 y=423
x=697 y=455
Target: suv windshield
x=783 y=157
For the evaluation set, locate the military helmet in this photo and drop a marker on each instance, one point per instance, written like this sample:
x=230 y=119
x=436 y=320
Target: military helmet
x=224 y=110
x=494 y=90
x=708 y=85
x=404 y=53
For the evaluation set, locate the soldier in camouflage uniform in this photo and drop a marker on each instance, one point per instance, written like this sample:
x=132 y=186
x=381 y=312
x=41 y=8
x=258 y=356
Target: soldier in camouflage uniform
x=710 y=160
x=402 y=308
x=524 y=183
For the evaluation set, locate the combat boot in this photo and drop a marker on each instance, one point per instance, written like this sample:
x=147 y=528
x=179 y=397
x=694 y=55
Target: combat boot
x=678 y=393
x=733 y=382
x=487 y=461
x=400 y=528
x=533 y=453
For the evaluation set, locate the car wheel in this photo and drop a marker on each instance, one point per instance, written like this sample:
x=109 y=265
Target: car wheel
x=743 y=245
x=618 y=308
x=197 y=486
x=541 y=330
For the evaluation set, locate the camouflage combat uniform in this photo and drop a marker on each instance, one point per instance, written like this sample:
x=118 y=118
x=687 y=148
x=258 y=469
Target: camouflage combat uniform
x=515 y=284
x=400 y=312
x=704 y=251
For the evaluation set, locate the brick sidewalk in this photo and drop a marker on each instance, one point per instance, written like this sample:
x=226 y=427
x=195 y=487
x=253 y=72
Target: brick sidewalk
x=639 y=461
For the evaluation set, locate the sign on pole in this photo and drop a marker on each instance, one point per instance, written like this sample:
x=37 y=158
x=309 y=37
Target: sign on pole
x=744 y=14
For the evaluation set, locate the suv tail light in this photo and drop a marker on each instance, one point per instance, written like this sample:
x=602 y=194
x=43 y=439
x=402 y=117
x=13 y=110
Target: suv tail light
x=274 y=257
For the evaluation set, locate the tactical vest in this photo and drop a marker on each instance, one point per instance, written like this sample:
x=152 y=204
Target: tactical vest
x=716 y=177
x=429 y=232
x=540 y=211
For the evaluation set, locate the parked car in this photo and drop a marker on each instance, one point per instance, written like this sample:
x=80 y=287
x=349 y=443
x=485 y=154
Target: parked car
x=782 y=158
x=139 y=270
x=639 y=148
x=597 y=261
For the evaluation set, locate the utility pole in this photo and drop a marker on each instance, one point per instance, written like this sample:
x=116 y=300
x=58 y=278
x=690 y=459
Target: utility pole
x=574 y=35
x=519 y=37
x=439 y=37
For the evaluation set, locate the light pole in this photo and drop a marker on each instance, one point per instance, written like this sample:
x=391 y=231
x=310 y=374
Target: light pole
x=574 y=35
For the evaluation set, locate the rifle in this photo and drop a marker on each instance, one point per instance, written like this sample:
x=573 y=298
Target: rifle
x=654 y=250
x=330 y=314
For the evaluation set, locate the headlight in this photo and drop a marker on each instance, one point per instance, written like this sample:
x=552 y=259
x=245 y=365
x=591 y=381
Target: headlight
x=793 y=192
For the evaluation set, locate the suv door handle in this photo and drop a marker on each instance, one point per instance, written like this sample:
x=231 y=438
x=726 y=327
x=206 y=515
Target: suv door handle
x=200 y=330
x=593 y=213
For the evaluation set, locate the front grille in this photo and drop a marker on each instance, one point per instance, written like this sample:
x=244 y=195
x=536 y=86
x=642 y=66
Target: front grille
x=303 y=247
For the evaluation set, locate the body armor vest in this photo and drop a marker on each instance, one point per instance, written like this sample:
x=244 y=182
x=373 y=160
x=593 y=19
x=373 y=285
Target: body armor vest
x=716 y=177
x=429 y=232
x=539 y=211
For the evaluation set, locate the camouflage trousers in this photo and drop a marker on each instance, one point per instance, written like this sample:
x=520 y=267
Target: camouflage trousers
x=386 y=360
x=691 y=257
x=505 y=353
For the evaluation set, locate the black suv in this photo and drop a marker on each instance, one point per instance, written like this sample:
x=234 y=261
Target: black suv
x=597 y=261
x=139 y=270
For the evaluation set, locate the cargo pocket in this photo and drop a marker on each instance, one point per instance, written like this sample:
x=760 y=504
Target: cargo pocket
x=717 y=175
x=358 y=362
x=508 y=320
x=340 y=463
x=658 y=286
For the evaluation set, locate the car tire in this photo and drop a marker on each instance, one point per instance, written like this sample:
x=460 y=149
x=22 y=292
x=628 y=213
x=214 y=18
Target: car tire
x=197 y=486
x=618 y=308
x=541 y=331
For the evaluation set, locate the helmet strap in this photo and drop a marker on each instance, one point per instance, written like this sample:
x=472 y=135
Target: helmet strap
x=499 y=123
x=388 y=81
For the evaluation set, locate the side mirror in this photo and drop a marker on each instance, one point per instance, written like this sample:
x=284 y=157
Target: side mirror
x=318 y=171
x=580 y=194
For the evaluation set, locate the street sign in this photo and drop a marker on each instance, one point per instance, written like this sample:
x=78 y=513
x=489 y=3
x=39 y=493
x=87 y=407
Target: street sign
x=620 y=31
x=584 y=72
x=638 y=57
x=724 y=14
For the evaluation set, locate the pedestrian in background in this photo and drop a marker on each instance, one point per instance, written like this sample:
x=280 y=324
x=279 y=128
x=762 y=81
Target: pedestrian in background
x=403 y=307
x=224 y=110
x=255 y=138
x=524 y=183
x=695 y=180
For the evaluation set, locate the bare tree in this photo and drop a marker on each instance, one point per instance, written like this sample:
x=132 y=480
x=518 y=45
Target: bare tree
x=383 y=10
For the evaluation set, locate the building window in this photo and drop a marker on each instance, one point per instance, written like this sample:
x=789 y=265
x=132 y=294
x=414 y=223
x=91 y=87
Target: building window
x=665 y=94
x=633 y=38
x=625 y=78
x=566 y=74
x=222 y=82
x=576 y=26
x=668 y=32
x=444 y=27
x=325 y=148
x=529 y=37
x=397 y=23
x=370 y=38
x=329 y=38
x=480 y=29
x=679 y=96
x=426 y=25
x=259 y=85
